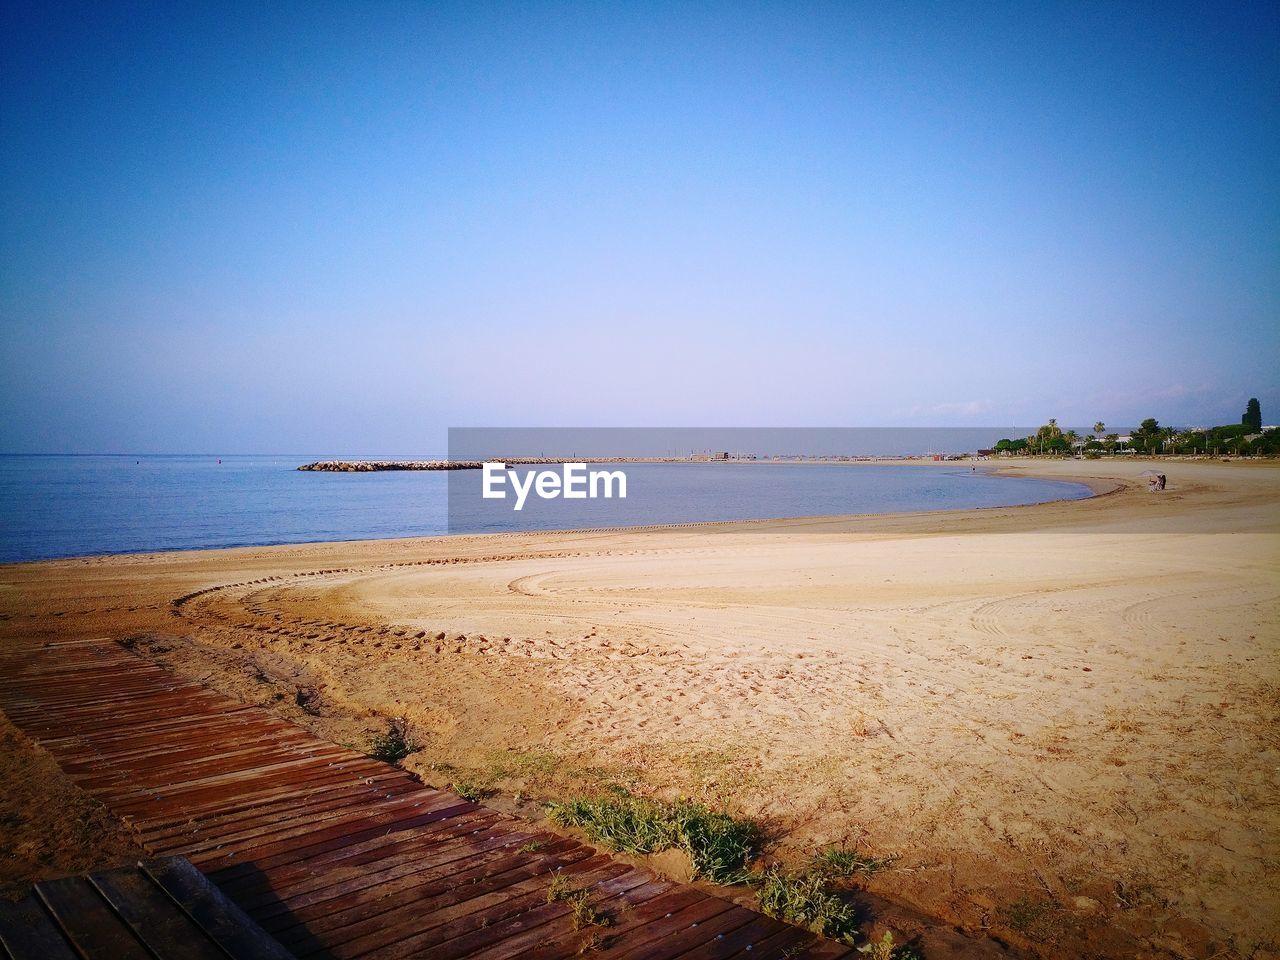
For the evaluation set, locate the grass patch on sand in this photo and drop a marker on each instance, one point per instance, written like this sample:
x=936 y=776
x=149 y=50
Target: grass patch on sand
x=394 y=745
x=807 y=900
x=886 y=949
x=468 y=790
x=548 y=774
x=840 y=863
x=715 y=776
x=720 y=847
x=529 y=765
x=1039 y=919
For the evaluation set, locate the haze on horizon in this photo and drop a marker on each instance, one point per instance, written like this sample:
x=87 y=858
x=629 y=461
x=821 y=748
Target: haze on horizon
x=347 y=227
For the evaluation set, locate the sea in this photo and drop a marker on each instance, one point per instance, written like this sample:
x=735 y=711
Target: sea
x=78 y=505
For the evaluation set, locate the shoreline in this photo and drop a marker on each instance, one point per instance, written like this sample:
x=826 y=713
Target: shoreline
x=1097 y=486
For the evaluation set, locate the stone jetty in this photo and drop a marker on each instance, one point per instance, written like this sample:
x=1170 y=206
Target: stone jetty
x=372 y=466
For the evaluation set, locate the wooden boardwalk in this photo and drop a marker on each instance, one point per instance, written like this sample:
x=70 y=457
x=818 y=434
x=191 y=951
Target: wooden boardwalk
x=162 y=909
x=334 y=854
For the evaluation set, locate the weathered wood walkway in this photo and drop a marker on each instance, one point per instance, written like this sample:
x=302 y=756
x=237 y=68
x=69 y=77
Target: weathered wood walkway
x=334 y=854
x=162 y=909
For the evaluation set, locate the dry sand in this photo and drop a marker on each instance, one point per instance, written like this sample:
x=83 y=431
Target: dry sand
x=1062 y=720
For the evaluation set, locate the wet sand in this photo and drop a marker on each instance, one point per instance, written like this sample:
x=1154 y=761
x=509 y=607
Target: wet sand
x=1061 y=720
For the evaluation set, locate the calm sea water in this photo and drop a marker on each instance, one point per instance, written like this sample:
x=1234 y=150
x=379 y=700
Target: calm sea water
x=65 y=506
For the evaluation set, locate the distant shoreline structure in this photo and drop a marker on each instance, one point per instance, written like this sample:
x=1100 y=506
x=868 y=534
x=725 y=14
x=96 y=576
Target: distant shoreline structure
x=375 y=466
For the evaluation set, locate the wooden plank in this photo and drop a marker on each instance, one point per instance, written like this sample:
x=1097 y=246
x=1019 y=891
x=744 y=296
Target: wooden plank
x=334 y=757
x=273 y=855
x=337 y=775
x=125 y=693
x=405 y=872
x=234 y=829
x=109 y=683
x=676 y=898
x=155 y=919
x=122 y=777
x=301 y=822
x=223 y=922
x=162 y=729
x=27 y=932
x=621 y=912
x=650 y=940
x=173 y=751
x=312 y=870
x=366 y=911
x=244 y=815
x=758 y=931
x=175 y=725
x=230 y=776
x=148 y=820
x=67 y=664
x=523 y=921
x=601 y=895
x=154 y=756
x=149 y=801
x=198 y=769
x=136 y=709
x=785 y=941
x=475 y=923
x=88 y=922
x=590 y=938
x=105 y=738
x=698 y=938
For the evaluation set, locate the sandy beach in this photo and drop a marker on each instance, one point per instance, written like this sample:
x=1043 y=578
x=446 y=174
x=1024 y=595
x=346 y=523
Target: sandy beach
x=1062 y=721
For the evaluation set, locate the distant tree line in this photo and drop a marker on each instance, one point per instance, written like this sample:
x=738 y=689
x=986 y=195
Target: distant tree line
x=1247 y=438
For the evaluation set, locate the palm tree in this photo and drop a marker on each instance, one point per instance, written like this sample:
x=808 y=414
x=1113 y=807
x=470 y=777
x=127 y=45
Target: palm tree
x=1046 y=434
x=1099 y=428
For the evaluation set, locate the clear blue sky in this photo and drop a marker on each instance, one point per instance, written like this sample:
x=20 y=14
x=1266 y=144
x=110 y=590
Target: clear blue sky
x=346 y=227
